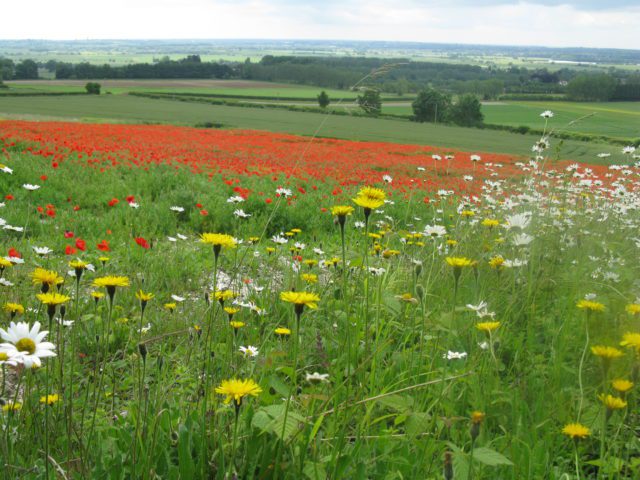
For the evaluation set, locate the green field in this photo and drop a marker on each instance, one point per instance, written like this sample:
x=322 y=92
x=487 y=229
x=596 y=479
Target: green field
x=122 y=108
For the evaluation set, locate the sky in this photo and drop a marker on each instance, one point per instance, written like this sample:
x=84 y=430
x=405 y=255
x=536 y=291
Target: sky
x=588 y=23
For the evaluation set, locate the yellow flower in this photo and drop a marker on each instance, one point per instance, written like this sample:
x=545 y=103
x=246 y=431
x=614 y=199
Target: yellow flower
x=611 y=402
x=53 y=298
x=218 y=240
x=170 y=306
x=4 y=263
x=231 y=310
x=97 y=295
x=270 y=250
x=576 y=431
x=459 y=262
x=282 y=332
x=496 y=262
x=111 y=281
x=144 y=297
x=342 y=210
x=467 y=213
x=223 y=295
x=622 y=385
x=254 y=240
x=631 y=340
x=370 y=198
x=487 y=327
x=11 y=406
x=296 y=230
x=590 y=305
x=311 y=262
x=606 y=353
x=13 y=308
x=236 y=325
x=388 y=253
x=301 y=299
x=633 y=308
x=49 y=399
x=236 y=390
x=103 y=260
x=78 y=264
x=40 y=276
x=309 y=277
x=490 y=222
x=477 y=417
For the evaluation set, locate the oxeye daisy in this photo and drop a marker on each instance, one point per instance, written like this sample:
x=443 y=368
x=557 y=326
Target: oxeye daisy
x=25 y=344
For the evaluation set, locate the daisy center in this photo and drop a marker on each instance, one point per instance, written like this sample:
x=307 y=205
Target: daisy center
x=26 y=345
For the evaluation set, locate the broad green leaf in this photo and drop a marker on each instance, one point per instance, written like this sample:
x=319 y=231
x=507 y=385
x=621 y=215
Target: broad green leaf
x=490 y=457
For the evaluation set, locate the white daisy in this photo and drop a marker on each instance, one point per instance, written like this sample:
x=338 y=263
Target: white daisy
x=30 y=187
x=25 y=345
x=249 y=351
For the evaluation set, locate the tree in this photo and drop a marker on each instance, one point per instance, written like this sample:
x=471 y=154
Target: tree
x=93 y=88
x=467 y=111
x=323 y=99
x=370 y=102
x=431 y=106
x=585 y=88
x=26 y=70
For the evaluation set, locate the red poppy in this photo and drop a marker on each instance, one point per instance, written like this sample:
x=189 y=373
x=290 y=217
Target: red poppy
x=40 y=209
x=103 y=246
x=54 y=164
x=81 y=244
x=14 y=253
x=268 y=200
x=69 y=250
x=113 y=202
x=9 y=197
x=142 y=242
x=44 y=178
x=131 y=198
x=204 y=213
x=51 y=213
x=76 y=208
x=68 y=234
x=198 y=205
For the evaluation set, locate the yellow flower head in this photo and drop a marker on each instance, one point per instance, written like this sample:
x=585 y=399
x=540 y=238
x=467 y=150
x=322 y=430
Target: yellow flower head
x=53 y=298
x=388 y=253
x=236 y=325
x=487 y=327
x=40 y=276
x=236 y=390
x=144 y=297
x=11 y=406
x=111 y=281
x=633 y=308
x=296 y=230
x=490 y=222
x=282 y=332
x=224 y=295
x=301 y=299
x=218 y=240
x=97 y=295
x=621 y=385
x=231 y=310
x=309 y=277
x=170 y=306
x=78 y=264
x=496 y=262
x=341 y=210
x=370 y=198
x=4 y=263
x=459 y=262
x=477 y=417
x=606 y=353
x=590 y=306
x=49 y=399
x=611 y=402
x=13 y=308
x=576 y=431
x=631 y=340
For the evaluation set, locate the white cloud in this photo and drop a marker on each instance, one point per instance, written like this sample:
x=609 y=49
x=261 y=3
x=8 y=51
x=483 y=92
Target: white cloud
x=494 y=22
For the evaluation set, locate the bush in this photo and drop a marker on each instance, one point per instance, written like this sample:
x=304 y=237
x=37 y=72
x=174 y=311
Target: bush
x=93 y=88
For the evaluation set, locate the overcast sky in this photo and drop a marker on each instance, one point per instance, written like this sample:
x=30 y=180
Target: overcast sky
x=589 y=23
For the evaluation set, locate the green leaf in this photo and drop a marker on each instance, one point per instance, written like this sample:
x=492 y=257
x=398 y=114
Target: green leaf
x=490 y=457
x=460 y=465
x=271 y=419
x=314 y=471
x=397 y=402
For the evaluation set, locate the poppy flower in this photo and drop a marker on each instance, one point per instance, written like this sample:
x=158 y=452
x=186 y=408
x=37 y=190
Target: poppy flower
x=14 y=253
x=68 y=234
x=130 y=198
x=142 y=242
x=69 y=250
x=81 y=244
x=113 y=202
x=204 y=213
x=54 y=164
x=9 y=197
x=44 y=178
x=103 y=246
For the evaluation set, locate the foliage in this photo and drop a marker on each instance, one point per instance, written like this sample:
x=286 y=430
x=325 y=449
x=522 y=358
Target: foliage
x=431 y=106
x=323 y=99
x=93 y=88
x=467 y=111
x=585 y=88
x=370 y=102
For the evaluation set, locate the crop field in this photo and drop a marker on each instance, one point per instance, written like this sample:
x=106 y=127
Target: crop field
x=123 y=108
x=185 y=303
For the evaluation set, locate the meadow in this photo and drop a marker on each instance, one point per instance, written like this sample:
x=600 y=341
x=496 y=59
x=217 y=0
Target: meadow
x=124 y=108
x=189 y=303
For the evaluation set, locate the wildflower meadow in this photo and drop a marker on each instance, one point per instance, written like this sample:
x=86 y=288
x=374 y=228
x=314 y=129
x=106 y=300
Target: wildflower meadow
x=182 y=303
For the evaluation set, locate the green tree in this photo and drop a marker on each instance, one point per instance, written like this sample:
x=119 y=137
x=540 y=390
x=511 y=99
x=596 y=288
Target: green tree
x=591 y=88
x=93 y=88
x=323 y=99
x=431 y=106
x=370 y=102
x=26 y=70
x=467 y=111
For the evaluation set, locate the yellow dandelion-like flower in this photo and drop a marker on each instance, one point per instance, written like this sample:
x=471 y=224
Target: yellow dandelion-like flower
x=611 y=402
x=576 y=431
x=370 y=198
x=49 y=399
x=590 y=306
x=144 y=297
x=487 y=327
x=633 y=308
x=13 y=308
x=622 y=385
x=606 y=353
x=388 y=253
x=467 y=213
x=40 y=276
x=5 y=263
x=236 y=390
x=459 y=262
x=231 y=310
x=111 y=281
x=309 y=278
x=301 y=299
x=282 y=331
x=78 y=264
x=631 y=340
x=170 y=306
x=218 y=240
x=477 y=417
x=11 y=406
x=224 y=295
x=497 y=262
x=236 y=325
x=53 y=299
x=97 y=295
x=296 y=230
x=311 y=262
x=341 y=210
x=490 y=222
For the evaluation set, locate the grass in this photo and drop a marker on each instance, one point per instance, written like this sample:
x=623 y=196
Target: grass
x=131 y=109
x=392 y=376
